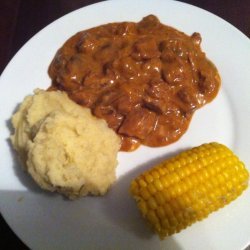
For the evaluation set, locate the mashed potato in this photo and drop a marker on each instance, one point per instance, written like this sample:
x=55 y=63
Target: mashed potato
x=63 y=147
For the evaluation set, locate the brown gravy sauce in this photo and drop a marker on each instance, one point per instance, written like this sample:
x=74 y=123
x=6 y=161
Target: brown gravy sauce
x=145 y=79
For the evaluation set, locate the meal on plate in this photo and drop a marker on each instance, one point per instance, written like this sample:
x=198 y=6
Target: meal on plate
x=188 y=187
x=145 y=79
x=115 y=87
x=63 y=146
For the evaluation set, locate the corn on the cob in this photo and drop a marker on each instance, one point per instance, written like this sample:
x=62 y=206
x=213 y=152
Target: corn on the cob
x=188 y=187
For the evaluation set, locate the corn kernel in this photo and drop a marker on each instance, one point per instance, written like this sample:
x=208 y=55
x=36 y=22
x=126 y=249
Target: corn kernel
x=200 y=177
x=212 y=196
x=176 y=164
x=188 y=182
x=187 y=201
x=142 y=205
x=221 y=179
x=168 y=210
x=181 y=174
x=151 y=216
x=165 y=223
x=134 y=186
x=188 y=169
x=166 y=196
x=181 y=201
x=183 y=161
x=164 y=181
x=229 y=185
x=162 y=171
x=193 y=179
x=142 y=183
x=151 y=188
x=160 y=199
x=152 y=203
x=172 y=193
x=149 y=178
x=172 y=230
x=155 y=174
x=160 y=212
x=173 y=221
x=158 y=184
x=179 y=216
x=145 y=194
x=170 y=167
x=214 y=181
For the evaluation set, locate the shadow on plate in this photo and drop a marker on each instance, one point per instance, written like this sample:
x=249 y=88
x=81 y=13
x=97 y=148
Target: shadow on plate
x=19 y=170
x=121 y=208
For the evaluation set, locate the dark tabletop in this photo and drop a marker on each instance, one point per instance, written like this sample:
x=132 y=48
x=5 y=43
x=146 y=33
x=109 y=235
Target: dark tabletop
x=21 y=19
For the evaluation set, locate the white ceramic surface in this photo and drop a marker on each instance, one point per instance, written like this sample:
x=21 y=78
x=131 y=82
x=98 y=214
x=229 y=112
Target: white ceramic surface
x=48 y=221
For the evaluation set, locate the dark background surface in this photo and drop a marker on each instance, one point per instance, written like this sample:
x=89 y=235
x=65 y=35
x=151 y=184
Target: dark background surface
x=21 y=19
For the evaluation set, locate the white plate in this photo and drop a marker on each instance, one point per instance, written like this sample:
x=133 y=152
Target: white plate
x=47 y=221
